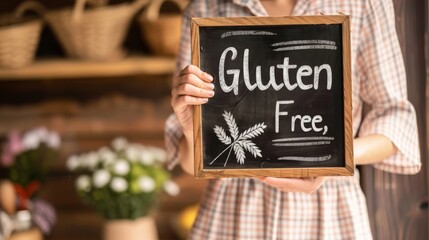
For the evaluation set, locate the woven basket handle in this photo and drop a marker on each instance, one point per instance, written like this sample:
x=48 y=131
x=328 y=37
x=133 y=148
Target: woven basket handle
x=79 y=7
x=152 y=11
x=29 y=6
x=138 y=4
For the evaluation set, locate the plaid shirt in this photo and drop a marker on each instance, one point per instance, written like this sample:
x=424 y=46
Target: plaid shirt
x=242 y=208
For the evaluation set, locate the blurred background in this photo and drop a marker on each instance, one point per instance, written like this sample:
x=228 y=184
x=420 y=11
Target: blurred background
x=90 y=85
x=92 y=71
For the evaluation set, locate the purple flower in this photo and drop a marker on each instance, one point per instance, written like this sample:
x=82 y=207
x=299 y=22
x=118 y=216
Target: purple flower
x=12 y=148
x=44 y=215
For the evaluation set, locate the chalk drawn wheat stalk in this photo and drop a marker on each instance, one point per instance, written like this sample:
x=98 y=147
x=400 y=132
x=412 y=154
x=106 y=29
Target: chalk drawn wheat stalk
x=238 y=142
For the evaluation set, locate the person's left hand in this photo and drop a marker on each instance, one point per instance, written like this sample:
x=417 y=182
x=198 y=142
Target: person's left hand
x=303 y=185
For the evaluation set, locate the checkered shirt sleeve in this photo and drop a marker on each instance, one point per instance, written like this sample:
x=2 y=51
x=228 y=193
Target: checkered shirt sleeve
x=384 y=87
x=173 y=130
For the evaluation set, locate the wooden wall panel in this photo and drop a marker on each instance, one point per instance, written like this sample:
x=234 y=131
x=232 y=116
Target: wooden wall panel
x=398 y=204
x=88 y=126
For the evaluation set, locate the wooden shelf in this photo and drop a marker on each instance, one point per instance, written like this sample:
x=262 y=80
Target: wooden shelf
x=67 y=68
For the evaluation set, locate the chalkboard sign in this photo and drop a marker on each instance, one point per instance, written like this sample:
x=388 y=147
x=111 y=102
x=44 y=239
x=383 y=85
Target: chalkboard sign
x=282 y=104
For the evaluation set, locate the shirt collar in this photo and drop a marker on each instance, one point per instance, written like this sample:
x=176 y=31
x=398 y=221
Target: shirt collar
x=257 y=9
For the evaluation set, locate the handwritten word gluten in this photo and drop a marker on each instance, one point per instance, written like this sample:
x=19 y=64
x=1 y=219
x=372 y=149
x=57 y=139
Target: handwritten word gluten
x=303 y=71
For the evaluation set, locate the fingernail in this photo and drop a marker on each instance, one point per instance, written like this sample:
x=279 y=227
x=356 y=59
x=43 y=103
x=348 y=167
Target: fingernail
x=208 y=76
x=210 y=86
x=211 y=93
x=205 y=100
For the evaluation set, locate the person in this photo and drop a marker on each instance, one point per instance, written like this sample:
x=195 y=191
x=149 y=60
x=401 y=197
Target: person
x=303 y=208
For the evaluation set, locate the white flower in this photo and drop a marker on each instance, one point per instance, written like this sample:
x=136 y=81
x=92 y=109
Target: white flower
x=147 y=157
x=53 y=140
x=159 y=154
x=100 y=178
x=119 y=184
x=119 y=143
x=33 y=138
x=41 y=132
x=83 y=183
x=73 y=162
x=108 y=161
x=106 y=156
x=121 y=167
x=91 y=160
x=132 y=152
x=146 y=184
x=30 y=140
x=171 y=188
x=105 y=152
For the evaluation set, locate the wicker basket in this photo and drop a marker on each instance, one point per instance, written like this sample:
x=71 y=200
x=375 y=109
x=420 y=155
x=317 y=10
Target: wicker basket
x=161 y=31
x=19 y=36
x=93 y=34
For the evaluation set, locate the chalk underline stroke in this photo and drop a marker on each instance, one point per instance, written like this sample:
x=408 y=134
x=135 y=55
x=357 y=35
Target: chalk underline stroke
x=306 y=159
x=303 y=139
x=298 y=144
x=304 y=45
x=302 y=42
x=247 y=33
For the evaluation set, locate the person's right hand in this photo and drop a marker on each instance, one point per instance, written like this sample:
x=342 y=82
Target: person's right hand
x=191 y=87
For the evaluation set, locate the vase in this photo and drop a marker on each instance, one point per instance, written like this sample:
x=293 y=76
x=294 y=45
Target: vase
x=24 y=228
x=141 y=228
x=30 y=234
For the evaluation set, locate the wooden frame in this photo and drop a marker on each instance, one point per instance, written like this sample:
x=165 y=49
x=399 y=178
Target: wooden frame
x=348 y=169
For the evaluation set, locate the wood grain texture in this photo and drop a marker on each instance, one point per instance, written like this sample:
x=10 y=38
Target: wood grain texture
x=398 y=204
x=290 y=20
x=273 y=172
x=347 y=83
x=69 y=69
x=198 y=154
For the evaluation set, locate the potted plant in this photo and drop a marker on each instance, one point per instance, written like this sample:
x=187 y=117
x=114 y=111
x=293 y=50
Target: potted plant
x=27 y=158
x=122 y=183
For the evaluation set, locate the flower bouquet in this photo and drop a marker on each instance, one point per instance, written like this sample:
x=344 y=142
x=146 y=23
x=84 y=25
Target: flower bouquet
x=122 y=182
x=27 y=157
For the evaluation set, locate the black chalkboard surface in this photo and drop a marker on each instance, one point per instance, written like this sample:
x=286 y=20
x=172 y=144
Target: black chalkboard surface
x=282 y=104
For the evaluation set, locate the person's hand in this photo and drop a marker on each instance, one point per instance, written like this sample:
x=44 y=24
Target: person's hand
x=191 y=87
x=303 y=185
